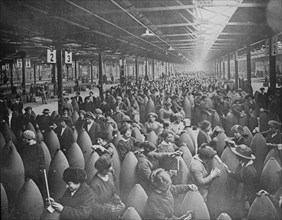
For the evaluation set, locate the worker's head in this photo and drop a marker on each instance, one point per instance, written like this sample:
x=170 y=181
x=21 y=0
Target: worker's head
x=237 y=131
x=160 y=180
x=104 y=164
x=74 y=177
x=206 y=153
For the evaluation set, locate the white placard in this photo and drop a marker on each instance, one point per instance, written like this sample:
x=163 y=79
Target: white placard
x=27 y=63
x=19 y=63
x=51 y=56
x=68 y=57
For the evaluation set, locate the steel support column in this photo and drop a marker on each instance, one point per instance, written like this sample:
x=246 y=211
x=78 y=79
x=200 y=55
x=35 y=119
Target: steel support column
x=122 y=72
x=249 y=71
x=146 y=69
x=153 y=68
x=34 y=74
x=75 y=70
x=23 y=76
x=228 y=66
x=12 y=76
x=220 y=68
x=272 y=64
x=236 y=72
x=100 y=86
x=223 y=68
x=136 y=70
x=91 y=72
x=59 y=80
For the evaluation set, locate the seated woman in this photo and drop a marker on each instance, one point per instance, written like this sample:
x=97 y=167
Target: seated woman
x=108 y=204
x=136 y=123
x=205 y=135
x=160 y=204
x=78 y=200
x=240 y=136
x=148 y=161
x=152 y=124
x=104 y=145
x=127 y=143
x=198 y=170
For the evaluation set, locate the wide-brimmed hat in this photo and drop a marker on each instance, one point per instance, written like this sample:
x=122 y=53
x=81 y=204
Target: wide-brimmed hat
x=46 y=111
x=274 y=124
x=243 y=151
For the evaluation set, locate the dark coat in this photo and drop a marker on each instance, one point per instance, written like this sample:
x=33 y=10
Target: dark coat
x=144 y=170
x=204 y=138
x=78 y=100
x=161 y=205
x=88 y=107
x=66 y=138
x=105 y=196
x=34 y=162
x=28 y=118
x=124 y=147
x=80 y=205
x=44 y=121
x=18 y=107
x=93 y=132
x=79 y=125
x=246 y=183
x=245 y=139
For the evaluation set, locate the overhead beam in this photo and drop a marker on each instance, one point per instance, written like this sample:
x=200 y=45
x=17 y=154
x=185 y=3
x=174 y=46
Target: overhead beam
x=190 y=34
x=92 y=30
x=197 y=23
x=191 y=40
x=185 y=7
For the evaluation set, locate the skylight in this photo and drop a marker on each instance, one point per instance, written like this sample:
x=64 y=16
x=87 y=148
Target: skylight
x=211 y=17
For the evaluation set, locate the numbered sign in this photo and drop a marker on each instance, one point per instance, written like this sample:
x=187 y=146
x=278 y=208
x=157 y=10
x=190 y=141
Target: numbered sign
x=51 y=56
x=68 y=57
x=19 y=63
x=7 y=66
x=27 y=63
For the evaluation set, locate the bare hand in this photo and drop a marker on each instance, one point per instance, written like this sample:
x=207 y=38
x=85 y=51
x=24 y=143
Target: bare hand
x=262 y=192
x=57 y=206
x=193 y=187
x=215 y=172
